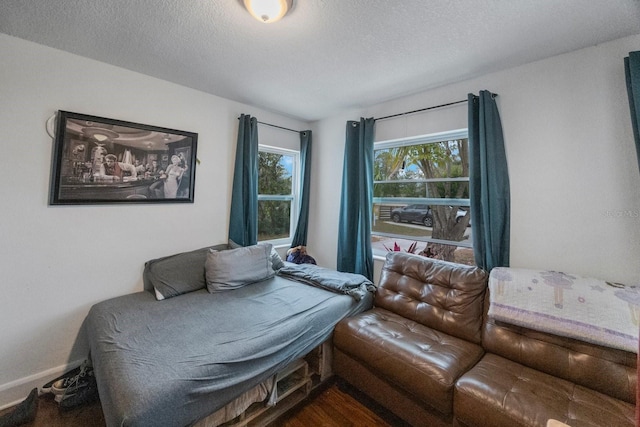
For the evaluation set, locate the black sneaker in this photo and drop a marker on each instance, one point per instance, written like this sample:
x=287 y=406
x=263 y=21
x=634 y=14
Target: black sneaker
x=47 y=387
x=23 y=413
x=70 y=384
x=80 y=393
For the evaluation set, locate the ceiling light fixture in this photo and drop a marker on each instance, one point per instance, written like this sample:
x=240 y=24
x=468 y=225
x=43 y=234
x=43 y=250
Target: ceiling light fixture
x=268 y=11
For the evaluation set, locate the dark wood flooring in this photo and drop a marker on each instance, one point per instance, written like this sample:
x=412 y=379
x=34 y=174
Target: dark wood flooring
x=50 y=415
x=333 y=405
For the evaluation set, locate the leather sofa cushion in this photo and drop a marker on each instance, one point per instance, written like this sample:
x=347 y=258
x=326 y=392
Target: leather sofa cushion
x=441 y=295
x=422 y=361
x=606 y=370
x=498 y=392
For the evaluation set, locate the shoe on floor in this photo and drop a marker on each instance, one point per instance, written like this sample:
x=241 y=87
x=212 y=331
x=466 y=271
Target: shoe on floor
x=47 y=387
x=80 y=393
x=24 y=412
x=59 y=387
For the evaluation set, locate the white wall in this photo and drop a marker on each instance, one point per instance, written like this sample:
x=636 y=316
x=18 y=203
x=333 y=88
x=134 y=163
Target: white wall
x=56 y=262
x=571 y=157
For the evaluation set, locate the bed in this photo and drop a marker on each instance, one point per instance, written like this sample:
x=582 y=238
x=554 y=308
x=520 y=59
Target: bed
x=175 y=361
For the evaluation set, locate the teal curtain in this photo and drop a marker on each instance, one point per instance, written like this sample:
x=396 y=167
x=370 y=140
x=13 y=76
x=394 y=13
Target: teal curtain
x=354 y=228
x=488 y=183
x=300 y=236
x=243 y=221
x=632 y=72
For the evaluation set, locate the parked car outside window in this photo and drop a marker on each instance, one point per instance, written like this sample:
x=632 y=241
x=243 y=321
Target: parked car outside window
x=413 y=213
x=421 y=214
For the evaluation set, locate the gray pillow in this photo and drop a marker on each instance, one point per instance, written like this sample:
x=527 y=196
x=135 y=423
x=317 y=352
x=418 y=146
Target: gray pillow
x=234 y=268
x=276 y=260
x=177 y=274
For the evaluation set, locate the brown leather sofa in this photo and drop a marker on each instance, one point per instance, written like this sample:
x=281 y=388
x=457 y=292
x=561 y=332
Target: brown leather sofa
x=428 y=353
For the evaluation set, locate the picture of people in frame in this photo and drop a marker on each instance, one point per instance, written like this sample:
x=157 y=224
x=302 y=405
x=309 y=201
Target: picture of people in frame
x=101 y=160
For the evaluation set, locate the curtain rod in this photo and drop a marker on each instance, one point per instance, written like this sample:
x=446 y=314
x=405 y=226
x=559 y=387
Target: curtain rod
x=279 y=127
x=422 y=109
x=276 y=126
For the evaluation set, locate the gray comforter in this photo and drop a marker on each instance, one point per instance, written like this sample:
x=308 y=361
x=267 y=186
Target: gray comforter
x=355 y=285
x=173 y=362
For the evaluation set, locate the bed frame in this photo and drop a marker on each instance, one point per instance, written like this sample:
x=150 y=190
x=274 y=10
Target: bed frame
x=294 y=383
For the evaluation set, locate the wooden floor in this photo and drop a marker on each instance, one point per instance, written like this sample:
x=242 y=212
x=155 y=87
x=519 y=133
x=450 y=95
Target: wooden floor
x=336 y=405
x=339 y=405
x=50 y=415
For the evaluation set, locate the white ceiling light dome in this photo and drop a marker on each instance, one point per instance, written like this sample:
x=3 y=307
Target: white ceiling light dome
x=268 y=11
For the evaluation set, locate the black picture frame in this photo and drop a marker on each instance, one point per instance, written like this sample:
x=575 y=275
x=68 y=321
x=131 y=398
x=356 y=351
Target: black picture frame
x=97 y=160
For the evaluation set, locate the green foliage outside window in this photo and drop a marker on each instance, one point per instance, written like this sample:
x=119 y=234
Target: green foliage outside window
x=422 y=171
x=274 y=216
x=274 y=179
x=273 y=220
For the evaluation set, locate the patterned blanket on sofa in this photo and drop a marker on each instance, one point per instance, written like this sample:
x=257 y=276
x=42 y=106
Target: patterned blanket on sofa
x=587 y=309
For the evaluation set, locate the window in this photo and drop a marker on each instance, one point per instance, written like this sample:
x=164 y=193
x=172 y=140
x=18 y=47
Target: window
x=421 y=197
x=277 y=194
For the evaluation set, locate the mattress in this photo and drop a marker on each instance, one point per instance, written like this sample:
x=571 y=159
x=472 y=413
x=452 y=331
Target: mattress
x=173 y=362
x=583 y=308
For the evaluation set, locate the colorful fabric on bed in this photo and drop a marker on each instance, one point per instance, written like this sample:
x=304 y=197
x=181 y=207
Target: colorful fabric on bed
x=177 y=361
x=568 y=305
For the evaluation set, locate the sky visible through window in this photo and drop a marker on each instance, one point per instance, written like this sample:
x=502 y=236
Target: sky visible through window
x=287 y=164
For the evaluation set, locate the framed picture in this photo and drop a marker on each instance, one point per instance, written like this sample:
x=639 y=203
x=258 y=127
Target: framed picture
x=98 y=160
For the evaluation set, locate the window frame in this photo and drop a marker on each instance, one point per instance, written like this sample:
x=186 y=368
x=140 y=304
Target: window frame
x=419 y=140
x=293 y=197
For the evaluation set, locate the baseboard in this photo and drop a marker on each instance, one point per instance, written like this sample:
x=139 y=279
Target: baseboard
x=16 y=391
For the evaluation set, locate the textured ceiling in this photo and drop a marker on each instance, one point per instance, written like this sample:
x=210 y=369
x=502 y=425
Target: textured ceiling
x=325 y=55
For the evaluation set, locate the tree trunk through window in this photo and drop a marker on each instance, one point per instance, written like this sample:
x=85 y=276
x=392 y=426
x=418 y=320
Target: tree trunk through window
x=447 y=159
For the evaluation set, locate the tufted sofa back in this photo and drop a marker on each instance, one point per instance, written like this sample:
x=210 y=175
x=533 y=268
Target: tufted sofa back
x=441 y=295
